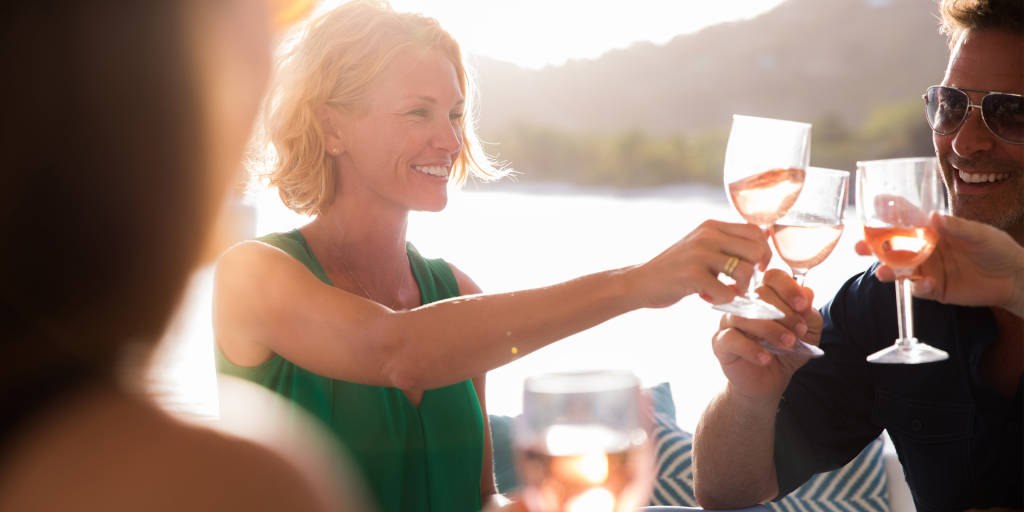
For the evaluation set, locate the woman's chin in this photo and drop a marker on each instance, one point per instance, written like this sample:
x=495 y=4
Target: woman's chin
x=434 y=203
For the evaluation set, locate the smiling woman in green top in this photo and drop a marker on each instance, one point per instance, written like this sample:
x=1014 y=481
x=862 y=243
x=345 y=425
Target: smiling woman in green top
x=368 y=121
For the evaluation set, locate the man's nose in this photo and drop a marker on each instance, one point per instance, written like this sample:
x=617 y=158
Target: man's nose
x=973 y=136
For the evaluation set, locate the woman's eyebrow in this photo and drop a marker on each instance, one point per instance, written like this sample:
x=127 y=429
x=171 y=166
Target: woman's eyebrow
x=431 y=99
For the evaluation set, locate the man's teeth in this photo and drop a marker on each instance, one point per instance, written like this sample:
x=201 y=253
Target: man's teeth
x=433 y=170
x=983 y=177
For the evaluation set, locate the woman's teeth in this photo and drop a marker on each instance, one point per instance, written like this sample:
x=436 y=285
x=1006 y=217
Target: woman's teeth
x=433 y=170
x=982 y=177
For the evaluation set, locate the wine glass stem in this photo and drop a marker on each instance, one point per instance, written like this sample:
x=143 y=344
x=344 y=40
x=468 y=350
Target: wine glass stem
x=799 y=276
x=755 y=279
x=905 y=312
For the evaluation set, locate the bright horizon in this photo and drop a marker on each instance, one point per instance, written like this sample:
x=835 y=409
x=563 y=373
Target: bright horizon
x=538 y=33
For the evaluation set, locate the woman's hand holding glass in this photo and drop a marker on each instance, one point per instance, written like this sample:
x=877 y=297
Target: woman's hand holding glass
x=692 y=264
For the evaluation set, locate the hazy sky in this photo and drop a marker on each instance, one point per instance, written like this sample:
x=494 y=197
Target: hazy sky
x=535 y=33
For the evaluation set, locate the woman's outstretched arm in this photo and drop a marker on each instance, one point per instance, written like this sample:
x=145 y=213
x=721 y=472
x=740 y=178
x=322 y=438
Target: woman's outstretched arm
x=265 y=300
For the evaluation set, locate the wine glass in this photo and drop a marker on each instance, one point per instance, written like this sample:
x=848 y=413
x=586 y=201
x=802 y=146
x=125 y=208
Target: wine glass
x=809 y=232
x=583 y=443
x=894 y=199
x=764 y=172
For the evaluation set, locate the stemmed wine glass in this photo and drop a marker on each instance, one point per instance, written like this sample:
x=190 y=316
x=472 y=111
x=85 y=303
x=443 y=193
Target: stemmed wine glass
x=764 y=172
x=895 y=199
x=583 y=443
x=809 y=232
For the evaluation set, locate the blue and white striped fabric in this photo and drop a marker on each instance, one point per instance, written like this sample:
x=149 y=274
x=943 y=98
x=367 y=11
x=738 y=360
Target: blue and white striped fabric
x=673 y=449
x=858 y=486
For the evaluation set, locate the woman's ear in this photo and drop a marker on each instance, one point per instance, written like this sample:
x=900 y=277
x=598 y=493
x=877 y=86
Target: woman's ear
x=330 y=127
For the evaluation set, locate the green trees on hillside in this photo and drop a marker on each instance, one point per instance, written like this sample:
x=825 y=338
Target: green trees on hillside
x=639 y=159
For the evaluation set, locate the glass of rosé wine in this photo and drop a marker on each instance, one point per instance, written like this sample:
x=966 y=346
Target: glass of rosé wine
x=894 y=200
x=809 y=232
x=764 y=173
x=583 y=443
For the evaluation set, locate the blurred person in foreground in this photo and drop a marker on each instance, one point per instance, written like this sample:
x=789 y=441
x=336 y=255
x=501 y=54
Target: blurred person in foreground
x=371 y=118
x=956 y=424
x=124 y=123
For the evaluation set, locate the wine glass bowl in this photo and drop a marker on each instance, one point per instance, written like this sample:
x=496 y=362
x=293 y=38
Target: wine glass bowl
x=765 y=162
x=582 y=443
x=811 y=228
x=895 y=199
x=808 y=232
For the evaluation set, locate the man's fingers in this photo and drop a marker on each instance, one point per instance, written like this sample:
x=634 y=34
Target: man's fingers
x=885 y=274
x=781 y=333
x=898 y=211
x=731 y=345
x=786 y=290
x=948 y=225
x=862 y=248
x=922 y=287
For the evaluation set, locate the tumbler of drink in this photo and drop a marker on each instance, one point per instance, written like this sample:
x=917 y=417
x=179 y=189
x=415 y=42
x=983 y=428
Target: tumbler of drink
x=583 y=443
x=894 y=200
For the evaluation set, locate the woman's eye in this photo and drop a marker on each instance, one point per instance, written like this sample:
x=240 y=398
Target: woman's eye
x=418 y=112
x=456 y=116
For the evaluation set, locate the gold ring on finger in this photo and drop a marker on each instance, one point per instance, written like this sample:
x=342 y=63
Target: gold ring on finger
x=730 y=265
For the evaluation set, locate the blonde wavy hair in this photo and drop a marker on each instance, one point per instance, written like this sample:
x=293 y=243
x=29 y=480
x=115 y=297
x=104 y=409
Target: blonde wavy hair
x=333 y=60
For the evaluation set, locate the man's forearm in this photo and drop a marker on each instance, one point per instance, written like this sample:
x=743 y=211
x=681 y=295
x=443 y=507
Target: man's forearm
x=733 y=452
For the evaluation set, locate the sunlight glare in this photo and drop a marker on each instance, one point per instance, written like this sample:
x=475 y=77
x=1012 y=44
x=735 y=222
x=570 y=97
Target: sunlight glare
x=597 y=499
x=538 y=33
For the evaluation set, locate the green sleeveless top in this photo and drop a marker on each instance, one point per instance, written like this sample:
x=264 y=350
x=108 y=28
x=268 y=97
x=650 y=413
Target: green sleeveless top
x=412 y=459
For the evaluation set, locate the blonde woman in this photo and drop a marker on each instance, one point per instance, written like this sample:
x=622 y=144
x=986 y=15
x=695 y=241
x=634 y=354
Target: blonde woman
x=370 y=119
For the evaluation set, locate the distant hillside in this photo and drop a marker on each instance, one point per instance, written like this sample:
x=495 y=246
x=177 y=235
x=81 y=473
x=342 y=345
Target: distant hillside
x=804 y=60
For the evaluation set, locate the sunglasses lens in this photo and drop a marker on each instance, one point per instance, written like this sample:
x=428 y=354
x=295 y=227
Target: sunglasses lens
x=945 y=108
x=1004 y=114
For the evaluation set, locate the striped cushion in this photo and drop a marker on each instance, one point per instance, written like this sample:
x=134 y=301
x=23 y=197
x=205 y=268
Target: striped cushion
x=672 y=447
x=860 y=485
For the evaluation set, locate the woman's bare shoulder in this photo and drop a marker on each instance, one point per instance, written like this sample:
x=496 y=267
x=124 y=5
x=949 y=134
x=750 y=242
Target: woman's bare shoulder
x=252 y=251
x=112 y=451
x=466 y=284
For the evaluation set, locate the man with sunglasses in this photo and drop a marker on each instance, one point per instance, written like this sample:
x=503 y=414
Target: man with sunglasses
x=956 y=424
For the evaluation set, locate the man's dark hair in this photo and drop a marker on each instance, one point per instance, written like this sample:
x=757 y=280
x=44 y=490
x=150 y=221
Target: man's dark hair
x=959 y=16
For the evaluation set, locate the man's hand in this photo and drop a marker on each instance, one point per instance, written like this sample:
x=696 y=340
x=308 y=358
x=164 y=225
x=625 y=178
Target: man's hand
x=974 y=264
x=733 y=445
x=752 y=371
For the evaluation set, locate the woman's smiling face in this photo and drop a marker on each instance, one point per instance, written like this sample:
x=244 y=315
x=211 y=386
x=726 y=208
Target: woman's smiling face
x=402 y=146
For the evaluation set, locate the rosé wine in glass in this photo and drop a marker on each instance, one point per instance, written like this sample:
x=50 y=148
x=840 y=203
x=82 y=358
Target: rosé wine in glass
x=894 y=200
x=763 y=175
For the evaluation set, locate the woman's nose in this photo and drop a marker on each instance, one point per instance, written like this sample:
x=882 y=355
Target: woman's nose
x=449 y=136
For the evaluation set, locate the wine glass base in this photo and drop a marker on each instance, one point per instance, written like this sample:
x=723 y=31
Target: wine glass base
x=751 y=308
x=800 y=349
x=908 y=352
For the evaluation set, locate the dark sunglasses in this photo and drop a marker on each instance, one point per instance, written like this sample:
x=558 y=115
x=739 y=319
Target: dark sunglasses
x=1003 y=113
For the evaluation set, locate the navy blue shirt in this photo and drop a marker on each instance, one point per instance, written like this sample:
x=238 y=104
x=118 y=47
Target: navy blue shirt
x=960 y=441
